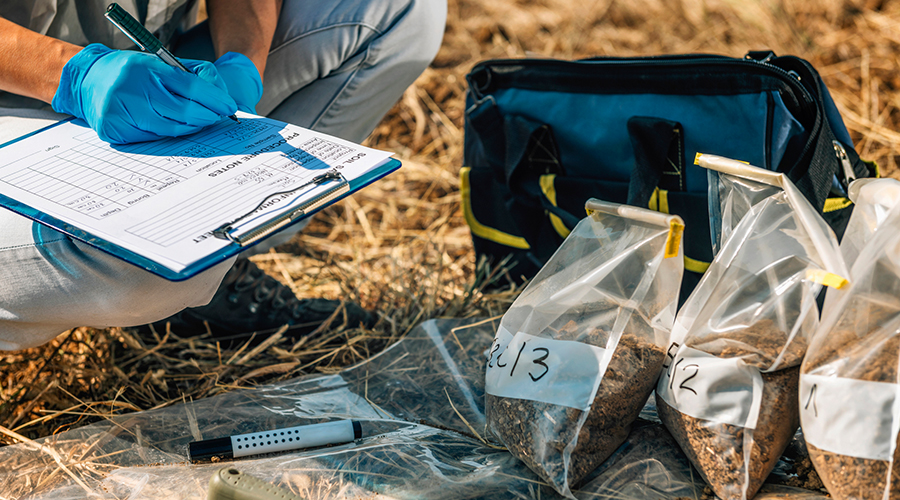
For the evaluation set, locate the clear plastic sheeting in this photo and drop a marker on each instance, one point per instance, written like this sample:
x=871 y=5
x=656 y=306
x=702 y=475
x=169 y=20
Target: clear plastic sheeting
x=420 y=403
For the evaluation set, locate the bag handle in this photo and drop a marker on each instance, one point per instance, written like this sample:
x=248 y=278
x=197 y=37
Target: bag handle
x=519 y=151
x=658 y=146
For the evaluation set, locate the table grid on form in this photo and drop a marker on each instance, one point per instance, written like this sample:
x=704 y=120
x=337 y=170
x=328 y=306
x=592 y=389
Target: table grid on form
x=157 y=204
x=106 y=181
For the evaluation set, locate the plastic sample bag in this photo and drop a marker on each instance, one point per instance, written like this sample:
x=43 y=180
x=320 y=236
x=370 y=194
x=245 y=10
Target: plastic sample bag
x=849 y=405
x=578 y=353
x=729 y=390
x=874 y=199
x=143 y=455
x=648 y=466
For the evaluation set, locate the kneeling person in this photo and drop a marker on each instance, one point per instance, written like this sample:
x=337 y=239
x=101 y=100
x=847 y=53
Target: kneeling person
x=336 y=68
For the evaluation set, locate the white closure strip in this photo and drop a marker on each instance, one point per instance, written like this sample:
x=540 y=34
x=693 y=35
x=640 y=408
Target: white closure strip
x=723 y=390
x=847 y=416
x=293 y=438
x=561 y=372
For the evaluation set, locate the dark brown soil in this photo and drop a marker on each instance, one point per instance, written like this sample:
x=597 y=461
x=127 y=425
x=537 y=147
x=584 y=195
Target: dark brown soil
x=539 y=433
x=797 y=469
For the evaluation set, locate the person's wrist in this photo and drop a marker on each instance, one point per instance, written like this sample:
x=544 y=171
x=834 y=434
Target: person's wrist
x=259 y=60
x=257 y=54
x=60 y=54
x=67 y=99
x=242 y=78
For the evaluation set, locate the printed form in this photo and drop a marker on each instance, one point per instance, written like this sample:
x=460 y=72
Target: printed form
x=163 y=199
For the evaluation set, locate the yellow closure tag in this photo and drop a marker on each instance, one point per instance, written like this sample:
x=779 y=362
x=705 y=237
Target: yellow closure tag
x=823 y=277
x=698 y=155
x=673 y=240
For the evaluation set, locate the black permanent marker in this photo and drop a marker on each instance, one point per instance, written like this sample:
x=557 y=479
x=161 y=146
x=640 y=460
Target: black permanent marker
x=290 y=438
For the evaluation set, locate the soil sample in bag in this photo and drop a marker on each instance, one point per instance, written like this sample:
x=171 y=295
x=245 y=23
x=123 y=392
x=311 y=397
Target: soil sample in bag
x=539 y=433
x=852 y=477
x=870 y=358
x=577 y=355
x=730 y=389
x=718 y=450
x=795 y=469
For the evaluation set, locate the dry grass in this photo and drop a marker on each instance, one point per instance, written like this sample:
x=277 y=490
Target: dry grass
x=401 y=245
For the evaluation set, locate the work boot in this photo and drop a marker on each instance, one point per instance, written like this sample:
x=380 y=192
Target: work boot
x=249 y=300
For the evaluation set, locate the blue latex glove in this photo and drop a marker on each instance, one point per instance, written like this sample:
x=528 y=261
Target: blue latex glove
x=242 y=79
x=128 y=96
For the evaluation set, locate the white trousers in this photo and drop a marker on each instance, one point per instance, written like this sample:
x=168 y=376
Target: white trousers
x=336 y=67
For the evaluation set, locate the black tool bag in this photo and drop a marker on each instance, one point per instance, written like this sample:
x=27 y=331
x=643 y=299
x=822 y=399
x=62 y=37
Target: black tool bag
x=542 y=136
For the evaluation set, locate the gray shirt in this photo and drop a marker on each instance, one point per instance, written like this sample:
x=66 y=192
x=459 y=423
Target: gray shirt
x=81 y=21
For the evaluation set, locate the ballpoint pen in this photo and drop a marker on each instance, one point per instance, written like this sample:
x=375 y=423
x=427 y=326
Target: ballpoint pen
x=143 y=38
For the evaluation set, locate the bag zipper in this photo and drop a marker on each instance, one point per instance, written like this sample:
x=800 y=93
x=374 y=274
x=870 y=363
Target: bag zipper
x=841 y=153
x=481 y=80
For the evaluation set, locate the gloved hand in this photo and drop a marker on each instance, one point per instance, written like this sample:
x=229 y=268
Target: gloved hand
x=242 y=79
x=128 y=96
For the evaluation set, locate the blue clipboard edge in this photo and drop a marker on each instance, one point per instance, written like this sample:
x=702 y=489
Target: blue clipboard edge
x=384 y=169
x=38 y=131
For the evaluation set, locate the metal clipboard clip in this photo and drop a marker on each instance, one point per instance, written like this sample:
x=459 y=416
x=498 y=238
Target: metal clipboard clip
x=323 y=189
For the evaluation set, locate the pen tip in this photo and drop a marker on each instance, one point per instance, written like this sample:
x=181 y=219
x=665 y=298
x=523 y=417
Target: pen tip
x=235 y=119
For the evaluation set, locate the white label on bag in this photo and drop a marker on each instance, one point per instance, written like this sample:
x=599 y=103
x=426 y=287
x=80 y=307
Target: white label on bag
x=849 y=417
x=561 y=372
x=501 y=340
x=723 y=390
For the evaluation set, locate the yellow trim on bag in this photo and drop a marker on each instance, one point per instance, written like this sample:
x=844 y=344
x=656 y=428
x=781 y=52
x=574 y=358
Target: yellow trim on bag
x=823 y=277
x=673 y=239
x=695 y=266
x=479 y=229
x=832 y=204
x=549 y=190
x=659 y=201
x=874 y=166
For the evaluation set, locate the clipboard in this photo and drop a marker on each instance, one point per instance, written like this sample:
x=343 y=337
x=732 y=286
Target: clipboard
x=238 y=233
x=248 y=229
